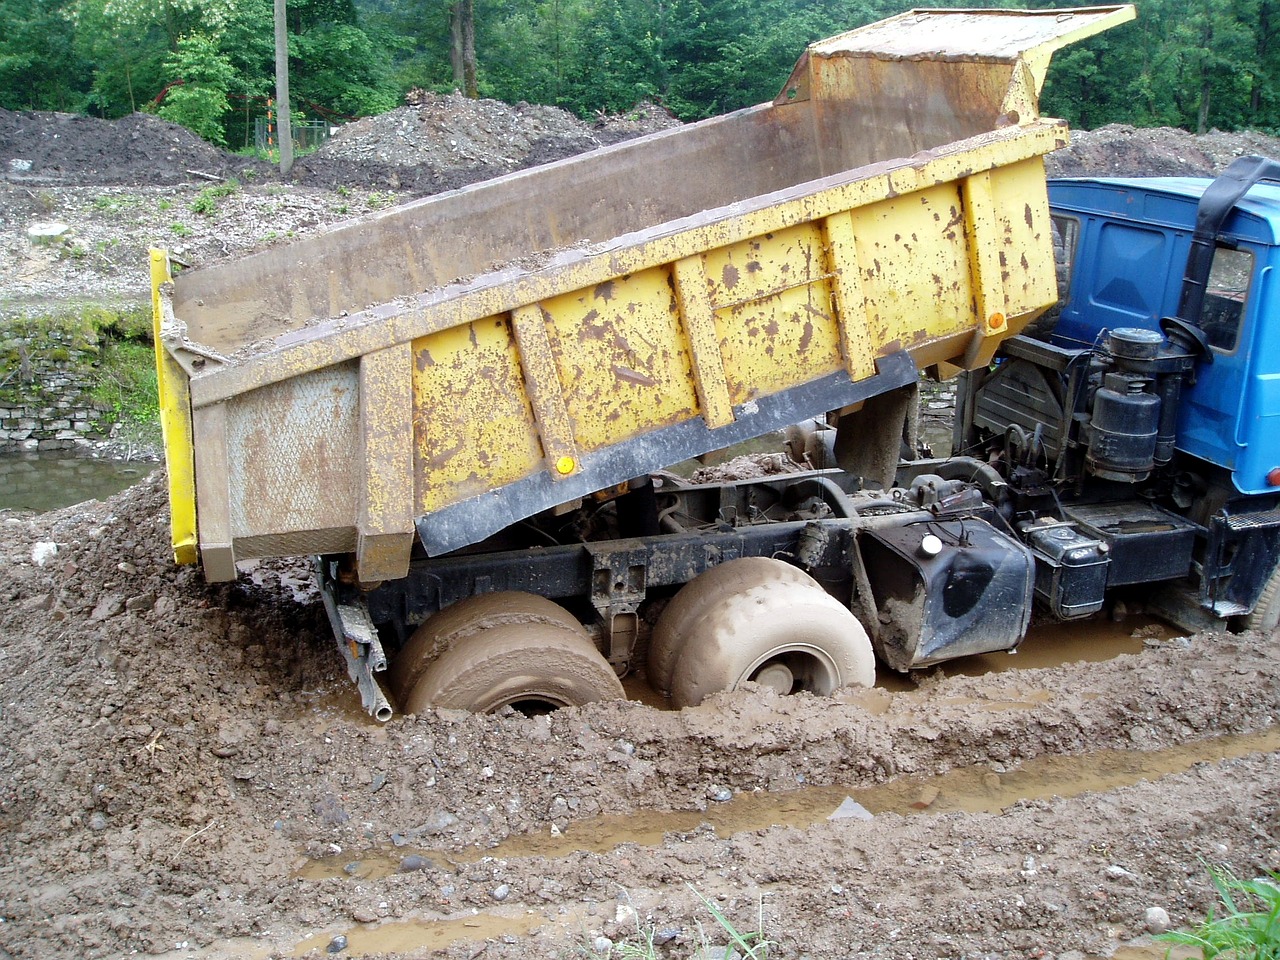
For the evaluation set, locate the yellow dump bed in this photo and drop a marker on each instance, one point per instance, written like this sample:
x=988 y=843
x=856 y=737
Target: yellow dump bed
x=454 y=365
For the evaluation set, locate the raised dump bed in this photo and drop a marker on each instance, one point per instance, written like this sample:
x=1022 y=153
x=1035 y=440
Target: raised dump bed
x=446 y=368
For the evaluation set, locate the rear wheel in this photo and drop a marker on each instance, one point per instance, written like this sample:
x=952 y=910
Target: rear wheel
x=687 y=607
x=464 y=619
x=789 y=636
x=533 y=667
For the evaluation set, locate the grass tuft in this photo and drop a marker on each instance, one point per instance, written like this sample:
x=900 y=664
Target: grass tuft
x=1249 y=927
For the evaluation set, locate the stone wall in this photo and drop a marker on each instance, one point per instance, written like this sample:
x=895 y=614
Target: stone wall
x=46 y=390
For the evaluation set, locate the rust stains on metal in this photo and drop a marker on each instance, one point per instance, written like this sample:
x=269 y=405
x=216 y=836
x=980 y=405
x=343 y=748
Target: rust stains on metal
x=729 y=276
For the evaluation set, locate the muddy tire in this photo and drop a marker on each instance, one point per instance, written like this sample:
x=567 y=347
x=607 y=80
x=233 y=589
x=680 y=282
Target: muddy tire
x=533 y=667
x=674 y=626
x=1265 y=617
x=789 y=636
x=464 y=619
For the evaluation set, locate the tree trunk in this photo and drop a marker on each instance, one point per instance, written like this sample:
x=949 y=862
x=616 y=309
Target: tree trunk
x=462 y=53
x=284 y=119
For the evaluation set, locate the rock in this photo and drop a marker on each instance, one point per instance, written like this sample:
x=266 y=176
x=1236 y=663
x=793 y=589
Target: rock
x=1157 y=920
x=438 y=822
x=48 y=233
x=602 y=944
x=337 y=944
x=850 y=809
x=1117 y=872
x=107 y=607
x=364 y=914
x=412 y=862
x=719 y=794
x=379 y=781
x=98 y=821
x=501 y=892
x=924 y=799
x=665 y=935
x=42 y=552
x=141 y=603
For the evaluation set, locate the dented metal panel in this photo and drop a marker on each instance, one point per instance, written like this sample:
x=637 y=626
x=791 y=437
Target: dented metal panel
x=467 y=360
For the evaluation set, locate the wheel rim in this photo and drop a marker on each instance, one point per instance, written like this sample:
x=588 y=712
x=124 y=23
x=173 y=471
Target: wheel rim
x=794 y=668
x=532 y=703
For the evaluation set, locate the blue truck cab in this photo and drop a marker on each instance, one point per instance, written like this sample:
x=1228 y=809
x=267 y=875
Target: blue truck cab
x=1137 y=423
x=1126 y=244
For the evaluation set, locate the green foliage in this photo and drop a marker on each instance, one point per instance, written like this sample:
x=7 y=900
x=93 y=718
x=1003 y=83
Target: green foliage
x=1192 y=63
x=1249 y=928
x=126 y=388
x=750 y=945
x=202 y=78
x=206 y=201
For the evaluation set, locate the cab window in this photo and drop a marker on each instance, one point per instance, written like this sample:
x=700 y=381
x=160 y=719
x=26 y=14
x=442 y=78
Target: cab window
x=1225 y=297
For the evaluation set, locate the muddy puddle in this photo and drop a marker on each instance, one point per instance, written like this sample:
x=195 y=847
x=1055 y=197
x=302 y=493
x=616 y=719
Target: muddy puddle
x=968 y=790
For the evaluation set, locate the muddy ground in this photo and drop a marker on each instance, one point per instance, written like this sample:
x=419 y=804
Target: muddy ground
x=184 y=769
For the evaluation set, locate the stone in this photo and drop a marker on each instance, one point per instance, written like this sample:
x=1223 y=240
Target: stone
x=414 y=861
x=107 y=607
x=850 y=809
x=925 y=798
x=438 y=822
x=48 y=232
x=337 y=944
x=1157 y=920
x=501 y=892
x=43 y=551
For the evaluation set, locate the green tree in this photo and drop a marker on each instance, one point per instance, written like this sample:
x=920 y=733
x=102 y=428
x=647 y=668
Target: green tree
x=200 y=76
x=38 y=66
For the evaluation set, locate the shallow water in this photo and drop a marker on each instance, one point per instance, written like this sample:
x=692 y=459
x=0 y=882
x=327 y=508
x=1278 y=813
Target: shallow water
x=43 y=481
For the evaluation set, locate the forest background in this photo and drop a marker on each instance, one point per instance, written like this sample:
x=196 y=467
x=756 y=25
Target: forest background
x=209 y=64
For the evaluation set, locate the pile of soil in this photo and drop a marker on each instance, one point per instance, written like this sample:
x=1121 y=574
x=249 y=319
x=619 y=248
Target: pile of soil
x=444 y=142
x=1119 y=150
x=43 y=149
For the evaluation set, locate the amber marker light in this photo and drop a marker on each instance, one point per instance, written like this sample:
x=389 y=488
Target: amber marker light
x=1273 y=477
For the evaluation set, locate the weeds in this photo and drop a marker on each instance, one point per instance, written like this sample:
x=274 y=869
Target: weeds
x=207 y=200
x=181 y=229
x=127 y=389
x=643 y=945
x=1249 y=928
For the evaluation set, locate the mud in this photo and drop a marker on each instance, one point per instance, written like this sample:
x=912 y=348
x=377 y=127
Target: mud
x=184 y=764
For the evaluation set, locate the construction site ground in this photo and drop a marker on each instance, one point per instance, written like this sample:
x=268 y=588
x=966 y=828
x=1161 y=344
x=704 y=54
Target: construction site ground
x=185 y=770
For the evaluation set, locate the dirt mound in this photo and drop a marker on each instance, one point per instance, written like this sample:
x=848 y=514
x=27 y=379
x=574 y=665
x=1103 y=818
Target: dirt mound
x=183 y=765
x=52 y=148
x=1119 y=150
x=442 y=142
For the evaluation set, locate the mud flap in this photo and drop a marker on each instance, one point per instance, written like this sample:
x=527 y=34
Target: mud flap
x=946 y=589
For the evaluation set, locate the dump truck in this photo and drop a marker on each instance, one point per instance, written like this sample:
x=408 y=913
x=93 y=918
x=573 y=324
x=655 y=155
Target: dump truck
x=464 y=408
